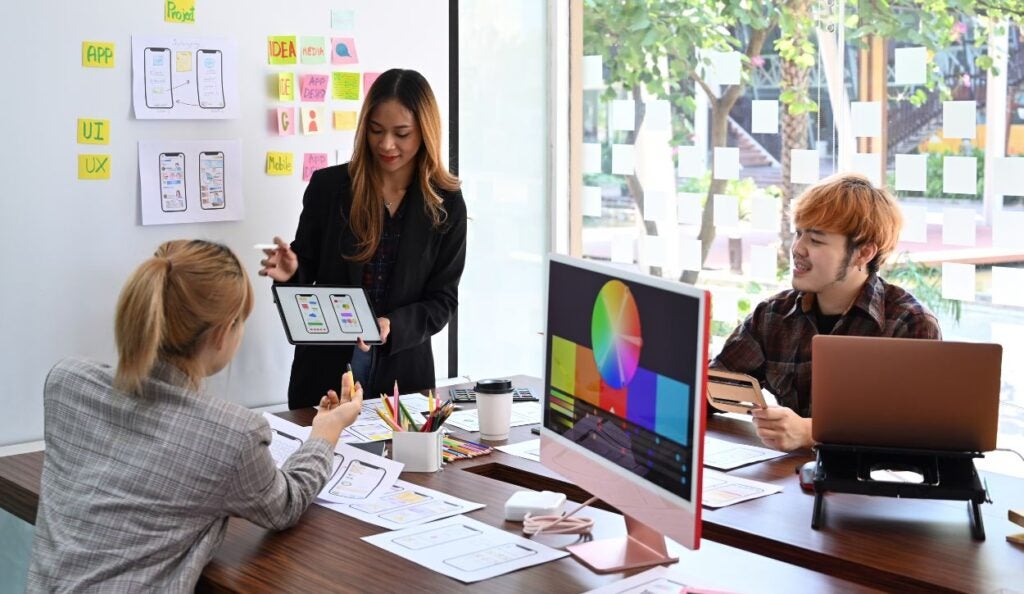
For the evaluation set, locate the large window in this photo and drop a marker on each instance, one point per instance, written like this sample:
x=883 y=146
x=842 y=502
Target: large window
x=702 y=121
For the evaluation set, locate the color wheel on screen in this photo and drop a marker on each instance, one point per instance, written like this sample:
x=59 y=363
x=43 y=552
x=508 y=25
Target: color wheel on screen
x=615 y=334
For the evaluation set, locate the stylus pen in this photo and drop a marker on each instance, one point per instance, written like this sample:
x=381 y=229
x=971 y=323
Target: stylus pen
x=351 y=379
x=265 y=246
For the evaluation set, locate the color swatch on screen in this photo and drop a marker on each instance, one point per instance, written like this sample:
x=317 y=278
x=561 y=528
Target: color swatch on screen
x=615 y=334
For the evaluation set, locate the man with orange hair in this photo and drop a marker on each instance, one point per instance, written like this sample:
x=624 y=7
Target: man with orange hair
x=845 y=229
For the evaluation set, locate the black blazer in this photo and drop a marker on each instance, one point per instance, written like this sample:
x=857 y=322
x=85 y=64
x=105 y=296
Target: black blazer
x=422 y=295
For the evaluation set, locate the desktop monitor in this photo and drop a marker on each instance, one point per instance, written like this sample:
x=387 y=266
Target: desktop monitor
x=625 y=370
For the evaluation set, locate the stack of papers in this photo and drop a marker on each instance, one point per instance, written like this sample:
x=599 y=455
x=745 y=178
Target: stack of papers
x=726 y=455
x=721 y=489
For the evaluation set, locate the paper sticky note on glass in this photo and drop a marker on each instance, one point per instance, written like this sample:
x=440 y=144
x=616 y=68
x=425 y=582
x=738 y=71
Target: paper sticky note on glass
x=688 y=208
x=343 y=20
x=183 y=61
x=654 y=250
x=97 y=54
x=959 y=175
x=657 y=115
x=959 y=119
x=93 y=131
x=286 y=86
x=912 y=172
x=312 y=162
x=1008 y=229
x=368 y=79
x=723 y=67
x=911 y=64
x=764 y=116
x=623 y=250
x=869 y=165
x=180 y=11
x=764 y=213
x=866 y=117
x=958 y=226
x=312 y=51
x=1007 y=286
x=727 y=162
x=286 y=121
x=93 y=166
x=725 y=306
x=1008 y=176
x=591 y=157
x=313 y=87
x=622 y=159
x=958 y=281
x=692 y=161
x=279 y=163
x=282 y=49
x=658 y=206
x=727 y=211
x=689 y=254
x=915 y=223
x=764 y=262
x=623 y=116
x=804 y=166
x=345 y=120
x=343 y=51
x=592 y=201
x=593 y=75
x=345 y=85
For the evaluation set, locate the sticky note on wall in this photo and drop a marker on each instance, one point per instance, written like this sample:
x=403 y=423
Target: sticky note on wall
x=344 y=120
x=279 y=163
x=286 y=86
x=368 y=79
x=281 y=49
x=285 y=121
x=183 y=61
x=343 y=51
x=93 y=131
x=311 y=162
x=345 y=85
x=313 y=87
x=180 y=11
x=313 y=51
x=93 y=166
x=97 y=54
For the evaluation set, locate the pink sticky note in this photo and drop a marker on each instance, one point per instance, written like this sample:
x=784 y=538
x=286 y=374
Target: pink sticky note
x=368 y=78
x=343 y=51
x=285 y=121
x=311 y=162
x=313 y=87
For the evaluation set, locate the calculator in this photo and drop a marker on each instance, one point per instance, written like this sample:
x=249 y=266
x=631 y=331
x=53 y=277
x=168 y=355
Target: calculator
x=469 y=395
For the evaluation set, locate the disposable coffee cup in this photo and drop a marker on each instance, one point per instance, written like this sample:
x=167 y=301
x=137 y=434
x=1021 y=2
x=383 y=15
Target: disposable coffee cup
x=494 y=406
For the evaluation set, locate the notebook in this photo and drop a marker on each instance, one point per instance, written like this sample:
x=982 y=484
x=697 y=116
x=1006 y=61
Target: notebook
x=906 y=393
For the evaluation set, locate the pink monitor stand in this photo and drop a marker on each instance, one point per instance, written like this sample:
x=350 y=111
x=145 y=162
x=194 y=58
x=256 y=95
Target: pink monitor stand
x=641 y=547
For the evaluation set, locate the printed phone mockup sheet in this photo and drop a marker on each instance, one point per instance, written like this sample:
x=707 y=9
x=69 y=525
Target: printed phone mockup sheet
x=321 y=314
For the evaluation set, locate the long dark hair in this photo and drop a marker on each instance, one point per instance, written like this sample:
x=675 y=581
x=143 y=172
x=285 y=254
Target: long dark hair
x=412 y=91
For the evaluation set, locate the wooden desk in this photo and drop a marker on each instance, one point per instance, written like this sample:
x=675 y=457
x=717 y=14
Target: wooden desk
x=323 y=552
x=893 y=544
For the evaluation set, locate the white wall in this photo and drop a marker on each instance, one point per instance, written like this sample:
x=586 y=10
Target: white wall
x=70 y=244
x=504 y=163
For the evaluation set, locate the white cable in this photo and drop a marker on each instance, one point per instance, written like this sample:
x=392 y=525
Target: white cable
x=534 y=525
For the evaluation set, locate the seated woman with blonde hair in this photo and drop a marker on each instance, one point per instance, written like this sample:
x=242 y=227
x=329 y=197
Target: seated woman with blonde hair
x=142 y=468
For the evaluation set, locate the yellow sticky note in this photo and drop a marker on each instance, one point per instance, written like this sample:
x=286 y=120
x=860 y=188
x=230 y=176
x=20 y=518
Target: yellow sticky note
x=281 y=49
x=180 y=11
x=280 y=164
x=286 y=86
x=97 y=54
x=344 y=120
x=183 y=61
x=93 y=166
x=93 y=131
x=345 y=85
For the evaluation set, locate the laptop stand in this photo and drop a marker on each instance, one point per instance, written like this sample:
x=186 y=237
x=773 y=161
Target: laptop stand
x=947 y=475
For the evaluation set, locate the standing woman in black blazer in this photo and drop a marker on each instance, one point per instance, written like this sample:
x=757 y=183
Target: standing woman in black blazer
x=391 y=220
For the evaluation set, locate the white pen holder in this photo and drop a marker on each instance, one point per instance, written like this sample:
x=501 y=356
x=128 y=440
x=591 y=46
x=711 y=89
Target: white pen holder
x=419 y=451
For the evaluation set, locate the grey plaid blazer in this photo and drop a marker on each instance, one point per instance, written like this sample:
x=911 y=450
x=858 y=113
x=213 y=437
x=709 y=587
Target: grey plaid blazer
x=137 y=490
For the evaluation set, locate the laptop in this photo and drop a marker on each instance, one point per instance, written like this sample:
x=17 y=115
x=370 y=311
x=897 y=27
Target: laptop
x=905 y=393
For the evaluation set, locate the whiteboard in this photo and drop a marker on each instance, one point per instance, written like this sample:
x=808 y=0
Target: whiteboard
x=72 y=243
